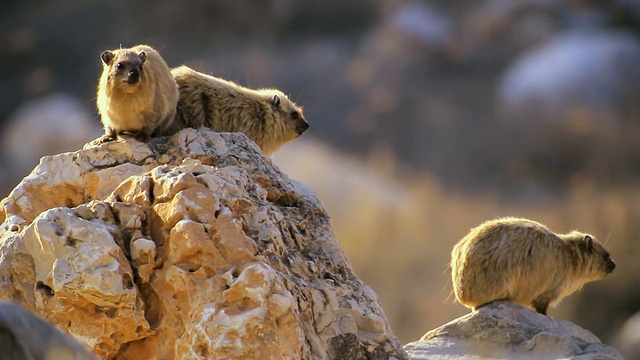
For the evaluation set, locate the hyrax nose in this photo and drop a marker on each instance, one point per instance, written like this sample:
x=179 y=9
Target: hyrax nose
x=133 y=76
x=610 y=266
x=134 y=73
x=301 y=127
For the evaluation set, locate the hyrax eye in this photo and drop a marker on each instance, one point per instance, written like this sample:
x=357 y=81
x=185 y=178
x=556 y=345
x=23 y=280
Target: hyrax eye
x=120 y=66
x=295 y=115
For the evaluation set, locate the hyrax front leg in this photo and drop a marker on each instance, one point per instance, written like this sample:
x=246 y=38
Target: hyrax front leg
x=110 y=134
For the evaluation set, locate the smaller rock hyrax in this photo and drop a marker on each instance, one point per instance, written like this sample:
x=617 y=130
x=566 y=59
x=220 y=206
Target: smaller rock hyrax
x=137 y=94
x=265 y=116
x=522 y=261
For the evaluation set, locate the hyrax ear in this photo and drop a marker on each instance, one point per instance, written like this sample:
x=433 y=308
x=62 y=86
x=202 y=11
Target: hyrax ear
x=588 y=242
x=143 y=56
x=107 y=57
x=275 y=101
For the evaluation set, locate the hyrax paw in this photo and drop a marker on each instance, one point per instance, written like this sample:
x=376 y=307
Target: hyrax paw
x=103 y=139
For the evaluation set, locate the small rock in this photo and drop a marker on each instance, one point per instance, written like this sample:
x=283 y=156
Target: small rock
x=504 y=330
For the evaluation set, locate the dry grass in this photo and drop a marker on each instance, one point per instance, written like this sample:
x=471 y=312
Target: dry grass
x=398 y=230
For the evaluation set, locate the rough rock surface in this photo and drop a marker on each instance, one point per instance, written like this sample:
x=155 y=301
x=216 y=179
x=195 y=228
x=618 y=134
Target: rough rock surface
x=504 y=330
x=190 y=247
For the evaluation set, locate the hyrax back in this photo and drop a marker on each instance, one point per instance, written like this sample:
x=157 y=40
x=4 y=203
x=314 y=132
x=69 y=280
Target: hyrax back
x=522 y=261
x=136 y=94
x=265 y=116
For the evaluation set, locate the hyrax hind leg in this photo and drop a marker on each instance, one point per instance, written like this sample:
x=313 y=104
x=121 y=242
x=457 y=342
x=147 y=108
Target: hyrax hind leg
x=541 y=303
x=142 y=135
x=541 y=306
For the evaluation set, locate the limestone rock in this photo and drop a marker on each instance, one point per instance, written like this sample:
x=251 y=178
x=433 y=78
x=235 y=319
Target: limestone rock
x=551 y=79
x=189 y=247
x=504 y=330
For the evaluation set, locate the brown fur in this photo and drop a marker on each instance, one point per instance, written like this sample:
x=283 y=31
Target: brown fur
x=265 y=116
x=136 y=94
x=522 y=261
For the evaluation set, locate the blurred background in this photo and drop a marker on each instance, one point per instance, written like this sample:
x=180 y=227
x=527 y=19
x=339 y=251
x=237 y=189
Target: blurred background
x=427 y=118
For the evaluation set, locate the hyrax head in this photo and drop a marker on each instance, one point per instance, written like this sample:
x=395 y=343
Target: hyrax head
x=124 y=66
x=591 y=256
x=285 y=109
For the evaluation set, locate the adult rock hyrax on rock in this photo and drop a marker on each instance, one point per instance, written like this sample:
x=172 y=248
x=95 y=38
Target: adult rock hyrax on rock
x=137 y=94
x=522 y=261
x=266 y=116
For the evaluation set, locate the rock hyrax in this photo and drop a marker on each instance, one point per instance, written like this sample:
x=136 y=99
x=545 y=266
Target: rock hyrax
x=136 y=94
x=265 y=116
x=522 y=261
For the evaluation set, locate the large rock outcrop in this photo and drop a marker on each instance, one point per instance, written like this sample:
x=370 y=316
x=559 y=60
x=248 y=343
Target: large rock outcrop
x=504 y=330
x=189 y=247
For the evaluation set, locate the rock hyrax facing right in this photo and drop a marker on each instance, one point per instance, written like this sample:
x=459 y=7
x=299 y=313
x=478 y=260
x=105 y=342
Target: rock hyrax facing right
x=136 y=94
x=522 y=261
x=265 y=116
